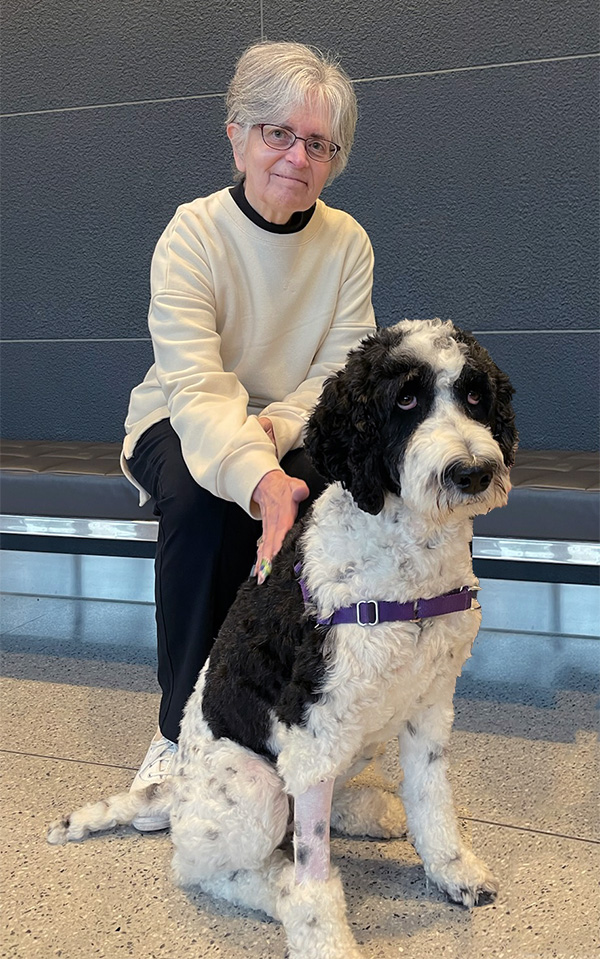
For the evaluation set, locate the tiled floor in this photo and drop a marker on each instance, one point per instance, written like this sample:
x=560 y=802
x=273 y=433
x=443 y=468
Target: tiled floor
x=79 y=704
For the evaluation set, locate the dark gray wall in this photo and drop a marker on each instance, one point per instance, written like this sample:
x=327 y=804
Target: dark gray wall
x=475 y=172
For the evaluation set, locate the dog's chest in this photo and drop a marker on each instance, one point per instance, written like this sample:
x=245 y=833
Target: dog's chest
x=385 y=675
x=350 y=555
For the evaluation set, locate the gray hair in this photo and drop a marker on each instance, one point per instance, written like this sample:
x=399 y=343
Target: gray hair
x=272 y=80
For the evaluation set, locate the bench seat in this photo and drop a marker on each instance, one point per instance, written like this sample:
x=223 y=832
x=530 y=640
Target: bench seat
x=70 y=480
x=555 y=500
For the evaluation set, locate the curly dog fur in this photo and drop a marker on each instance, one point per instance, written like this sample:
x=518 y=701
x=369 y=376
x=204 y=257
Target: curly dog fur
x=415 y=436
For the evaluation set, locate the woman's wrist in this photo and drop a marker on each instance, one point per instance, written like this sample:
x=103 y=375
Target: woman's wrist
x=267 y=425
x=277 y=496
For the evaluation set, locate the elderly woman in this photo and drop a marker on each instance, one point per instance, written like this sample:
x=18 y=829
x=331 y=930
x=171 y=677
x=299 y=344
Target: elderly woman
x=258 y=293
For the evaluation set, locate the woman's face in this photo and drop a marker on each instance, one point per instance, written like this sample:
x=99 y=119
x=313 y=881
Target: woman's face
x=279 y=184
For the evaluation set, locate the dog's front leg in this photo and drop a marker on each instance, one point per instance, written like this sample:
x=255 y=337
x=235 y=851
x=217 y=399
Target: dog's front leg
x=313 y=910
x=430 y=813
x=312 y=814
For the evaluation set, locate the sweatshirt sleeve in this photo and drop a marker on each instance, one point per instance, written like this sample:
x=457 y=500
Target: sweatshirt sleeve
x=353 y=319
x=226 y=451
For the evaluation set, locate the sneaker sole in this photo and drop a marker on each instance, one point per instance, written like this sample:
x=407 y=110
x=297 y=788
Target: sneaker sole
x=150 y=823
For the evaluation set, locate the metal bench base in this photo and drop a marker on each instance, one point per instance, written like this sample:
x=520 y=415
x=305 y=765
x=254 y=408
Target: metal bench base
x=146 y=531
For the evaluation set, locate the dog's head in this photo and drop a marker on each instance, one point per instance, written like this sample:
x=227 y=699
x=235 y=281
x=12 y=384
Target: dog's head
x=419 y=410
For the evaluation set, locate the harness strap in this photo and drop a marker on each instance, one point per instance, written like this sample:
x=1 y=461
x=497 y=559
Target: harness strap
x=370 y=612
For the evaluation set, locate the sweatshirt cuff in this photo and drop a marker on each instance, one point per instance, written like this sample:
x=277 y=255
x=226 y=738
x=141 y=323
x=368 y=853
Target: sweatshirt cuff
x=288 y=429
x=241 y=473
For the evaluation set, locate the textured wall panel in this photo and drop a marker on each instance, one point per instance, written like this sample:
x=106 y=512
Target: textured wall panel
x=480 y=194
x=87 y=195
x=67 y=53
x=69 y=391
x=405 y=36
x=556 y=378
x=479 y=188
x=81 y=390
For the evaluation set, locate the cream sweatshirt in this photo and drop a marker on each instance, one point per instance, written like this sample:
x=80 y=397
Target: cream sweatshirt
x=244 y=323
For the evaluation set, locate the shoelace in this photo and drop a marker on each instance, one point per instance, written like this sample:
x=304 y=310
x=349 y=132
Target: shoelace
x=156 y=767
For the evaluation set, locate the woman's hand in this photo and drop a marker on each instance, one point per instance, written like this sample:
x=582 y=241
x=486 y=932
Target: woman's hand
x=267 y=426
x=277 y=496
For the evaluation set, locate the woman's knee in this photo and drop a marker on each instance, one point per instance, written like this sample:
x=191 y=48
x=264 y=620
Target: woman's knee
x=186 y=504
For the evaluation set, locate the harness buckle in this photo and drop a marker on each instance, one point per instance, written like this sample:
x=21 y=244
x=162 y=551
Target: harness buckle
x=368 y=622
x=416 y=618
x=473 y=590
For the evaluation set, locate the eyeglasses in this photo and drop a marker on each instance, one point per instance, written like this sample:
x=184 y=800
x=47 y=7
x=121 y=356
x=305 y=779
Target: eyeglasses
x=280 y=138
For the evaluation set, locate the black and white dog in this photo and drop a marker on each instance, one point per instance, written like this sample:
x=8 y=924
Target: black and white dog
x=357 y=636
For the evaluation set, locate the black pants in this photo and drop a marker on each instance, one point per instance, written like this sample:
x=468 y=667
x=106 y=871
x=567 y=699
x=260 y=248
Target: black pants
x=206 y=548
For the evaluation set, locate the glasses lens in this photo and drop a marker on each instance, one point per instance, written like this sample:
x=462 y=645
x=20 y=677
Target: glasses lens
x=318 y=149
x=278 y=138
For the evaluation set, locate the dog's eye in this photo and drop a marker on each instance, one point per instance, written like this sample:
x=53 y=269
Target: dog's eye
x=473 y=398
x=407 y=402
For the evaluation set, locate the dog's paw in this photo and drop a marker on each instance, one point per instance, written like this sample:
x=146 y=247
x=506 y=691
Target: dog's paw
x=313 y=914
x=465 y=879
x=368 y=811
x=391 y=823
x=58 y=832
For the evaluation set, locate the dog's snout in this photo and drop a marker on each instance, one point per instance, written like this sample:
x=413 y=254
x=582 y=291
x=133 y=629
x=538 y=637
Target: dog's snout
x=469 y=479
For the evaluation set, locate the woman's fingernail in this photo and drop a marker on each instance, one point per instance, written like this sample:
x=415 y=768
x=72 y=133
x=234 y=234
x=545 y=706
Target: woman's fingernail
x=264 y=570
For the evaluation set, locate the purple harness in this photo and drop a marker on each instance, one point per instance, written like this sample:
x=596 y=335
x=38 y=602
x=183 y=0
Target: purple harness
x=370 y=612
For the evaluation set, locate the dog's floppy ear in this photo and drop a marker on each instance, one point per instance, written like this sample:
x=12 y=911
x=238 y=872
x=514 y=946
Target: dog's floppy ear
x=342 y=438
x=503 y=416
x=504 y=429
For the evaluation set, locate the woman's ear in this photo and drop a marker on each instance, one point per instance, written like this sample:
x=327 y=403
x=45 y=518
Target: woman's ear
x=235 y=134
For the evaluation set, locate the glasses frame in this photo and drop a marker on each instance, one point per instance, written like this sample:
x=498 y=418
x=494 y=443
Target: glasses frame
x=280 y=126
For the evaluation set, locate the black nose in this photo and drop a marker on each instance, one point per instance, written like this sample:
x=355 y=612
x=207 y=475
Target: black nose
x=469 y=479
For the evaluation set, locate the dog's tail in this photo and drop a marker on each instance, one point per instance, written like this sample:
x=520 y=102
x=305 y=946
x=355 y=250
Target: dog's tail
x=118 y=810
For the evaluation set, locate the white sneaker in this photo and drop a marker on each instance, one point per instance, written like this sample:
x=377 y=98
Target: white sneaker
x=155 y=767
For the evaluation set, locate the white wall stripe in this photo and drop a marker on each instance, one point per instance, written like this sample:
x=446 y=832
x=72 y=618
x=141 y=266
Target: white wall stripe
x=146 y=339
x=481 y=66
x=532 y=332
x=84 y=339
x=108 y=106
x=374 y=79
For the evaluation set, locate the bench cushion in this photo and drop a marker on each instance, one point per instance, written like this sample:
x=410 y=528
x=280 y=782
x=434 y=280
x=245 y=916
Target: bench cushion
x=555 y=493
x=68 y=479
x=555 y=496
